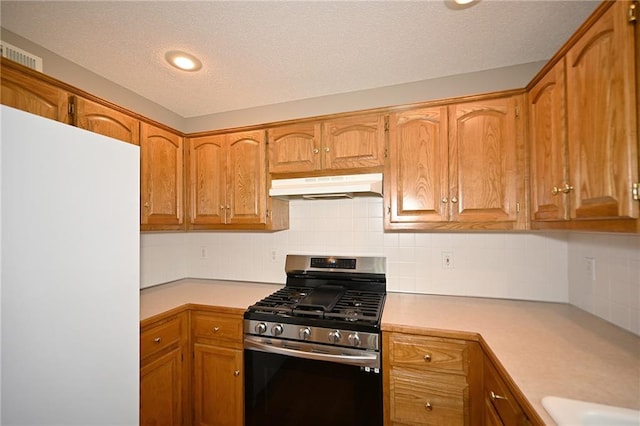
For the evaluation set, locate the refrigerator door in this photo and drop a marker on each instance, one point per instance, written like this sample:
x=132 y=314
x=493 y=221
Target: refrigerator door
x=70 y=274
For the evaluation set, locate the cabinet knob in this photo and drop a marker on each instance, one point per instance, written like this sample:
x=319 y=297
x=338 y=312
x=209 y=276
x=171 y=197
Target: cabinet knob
x=216 y=329
x=454 y=200
x=236 y=373
x=221 y=207
x=445 y=200
x=427 y=358
x=428 y=406
x=495 y=396
x=327 y=149
x=157 y=340
x=316 y=150
x=567 y=188
x=146 y=205
x=555 y=190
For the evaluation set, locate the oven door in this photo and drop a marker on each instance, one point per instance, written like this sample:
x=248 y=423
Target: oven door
x=295 y=383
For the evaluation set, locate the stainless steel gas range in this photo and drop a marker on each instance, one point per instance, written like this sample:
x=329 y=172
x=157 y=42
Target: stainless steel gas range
x=312 y=349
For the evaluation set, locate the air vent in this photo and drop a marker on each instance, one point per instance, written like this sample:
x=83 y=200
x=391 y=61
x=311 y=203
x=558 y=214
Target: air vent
x=20 y=56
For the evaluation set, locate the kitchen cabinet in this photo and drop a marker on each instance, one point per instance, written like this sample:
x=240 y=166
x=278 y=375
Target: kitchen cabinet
x=500 y=405
x=218 y=379
x=459 y=166
x=27 y=90
x=99 y=118
x=349 y=144
x=601 y=109
x=162 y=181
x=228 y=184
x=429 y=380
x=164 y=391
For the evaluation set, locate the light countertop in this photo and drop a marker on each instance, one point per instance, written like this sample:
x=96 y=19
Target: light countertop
x=546 y=348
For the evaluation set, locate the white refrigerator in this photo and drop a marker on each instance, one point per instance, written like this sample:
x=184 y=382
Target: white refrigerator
x=69 y=275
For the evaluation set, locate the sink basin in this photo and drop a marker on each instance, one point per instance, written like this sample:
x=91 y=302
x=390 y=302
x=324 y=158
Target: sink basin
x=570 y=412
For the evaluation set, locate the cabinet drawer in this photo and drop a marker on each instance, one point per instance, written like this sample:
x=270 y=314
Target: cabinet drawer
x=159 y=337
x=426 y=398
x=429 y=353
x=498 y=395
x=218 y=328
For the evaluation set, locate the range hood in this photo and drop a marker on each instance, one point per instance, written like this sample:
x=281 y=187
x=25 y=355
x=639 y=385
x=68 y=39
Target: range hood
x=345 y=186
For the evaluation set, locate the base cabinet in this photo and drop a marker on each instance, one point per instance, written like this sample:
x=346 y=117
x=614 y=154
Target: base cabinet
x=501 y=407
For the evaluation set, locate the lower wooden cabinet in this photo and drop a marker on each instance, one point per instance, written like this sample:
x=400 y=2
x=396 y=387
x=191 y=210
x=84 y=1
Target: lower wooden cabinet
x=164 y=371
x=500 y=404
x=430 y=380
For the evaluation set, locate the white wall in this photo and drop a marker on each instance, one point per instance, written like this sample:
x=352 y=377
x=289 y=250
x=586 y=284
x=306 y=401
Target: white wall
x=614 y=294
x=505 y=265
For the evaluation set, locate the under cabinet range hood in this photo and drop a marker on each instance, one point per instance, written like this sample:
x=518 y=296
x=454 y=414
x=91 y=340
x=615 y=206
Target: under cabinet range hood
x=345 y=186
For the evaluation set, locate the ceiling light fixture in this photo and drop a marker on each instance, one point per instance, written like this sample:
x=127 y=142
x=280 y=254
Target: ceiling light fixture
x=460 y=4
x=183 y=61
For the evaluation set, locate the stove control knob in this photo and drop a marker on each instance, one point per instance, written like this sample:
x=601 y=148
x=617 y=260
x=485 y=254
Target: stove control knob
x=304 y=333
x=277 y=329
x=261 y=328
x=354 y=339
x=334 y=336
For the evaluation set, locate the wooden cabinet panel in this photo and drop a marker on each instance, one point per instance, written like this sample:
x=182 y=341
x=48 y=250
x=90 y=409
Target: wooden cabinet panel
x=294 y=148
x=162 y=182
x=161 y=386
x=602 y=118
x=431 y=353
x=26 y=93
x=548 y=146
x=218 y=329
x=498 y=397
x=418 y=172
x=160 y=337
x=351 y=143
x=484 y=172
x=246 y=184
x=106 y=121
x=207 y=180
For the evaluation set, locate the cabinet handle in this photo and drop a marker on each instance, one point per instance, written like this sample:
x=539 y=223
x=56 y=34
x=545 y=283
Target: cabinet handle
x=445 y=200
x=221 y=207
x=157 y=340
x=316 y=150
x=427 y=358
x=146 y=205
x=236 y=373
x=567 y=188
x=555 y=190
x=216 y=329
x=428 y=406
x=495 y=396
x=454 y=200
x=327 y=149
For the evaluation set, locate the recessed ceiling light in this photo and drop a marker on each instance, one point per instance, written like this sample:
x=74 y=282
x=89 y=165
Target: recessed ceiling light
x=183 y=61
x=460 y=4
x=463 y=2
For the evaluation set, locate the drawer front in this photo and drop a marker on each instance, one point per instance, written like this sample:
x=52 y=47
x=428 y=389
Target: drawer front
x=497 y=394
x=159 y=337
x=218 y=328
x=428 y=353
x=419 y=398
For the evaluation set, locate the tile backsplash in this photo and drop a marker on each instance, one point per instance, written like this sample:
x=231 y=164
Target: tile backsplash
x=529 y=266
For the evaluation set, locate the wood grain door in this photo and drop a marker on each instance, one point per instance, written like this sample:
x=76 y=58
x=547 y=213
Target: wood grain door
x=162 y=182
x=207 y=180
x=418 y=168
x=106 y=121
x=161 y=390
x=483 y=161
x=246 y=178
x=548 y=147
x=218 y=386
x=294 y=148
x=355 y=142
x=603 y=140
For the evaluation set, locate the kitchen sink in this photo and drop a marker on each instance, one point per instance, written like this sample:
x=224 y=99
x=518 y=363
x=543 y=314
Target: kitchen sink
x=572 y=412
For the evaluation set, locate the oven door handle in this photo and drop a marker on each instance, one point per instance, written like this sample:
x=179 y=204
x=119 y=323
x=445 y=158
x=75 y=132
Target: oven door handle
x=347 y=356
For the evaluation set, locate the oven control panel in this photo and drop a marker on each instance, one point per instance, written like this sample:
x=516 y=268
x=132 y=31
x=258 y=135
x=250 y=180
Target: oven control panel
x=321 y=335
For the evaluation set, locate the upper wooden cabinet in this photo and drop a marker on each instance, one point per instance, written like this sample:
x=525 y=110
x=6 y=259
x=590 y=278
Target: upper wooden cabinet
x=228 y=184
x=584 y=151
x=26 y=92
x=342 y=144
x=457 y=167
x=162 y=182
x=98 y=118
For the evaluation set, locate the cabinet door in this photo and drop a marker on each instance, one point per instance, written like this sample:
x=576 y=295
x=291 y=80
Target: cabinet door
x=355 y=142
x=246 y=178
x=218 y=386
x=161 y=390
x=603 y=140
x=484 y=171
x=548 y=137
x=162 y=185
x=207 y=180
x=294 y=148
x=26 y=93
x=106 y=121
x=417 y=173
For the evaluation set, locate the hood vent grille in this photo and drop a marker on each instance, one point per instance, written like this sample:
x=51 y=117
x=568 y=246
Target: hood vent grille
x=20 y=56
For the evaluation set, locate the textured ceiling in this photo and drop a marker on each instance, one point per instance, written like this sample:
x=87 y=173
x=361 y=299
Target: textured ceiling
x=267 y=52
